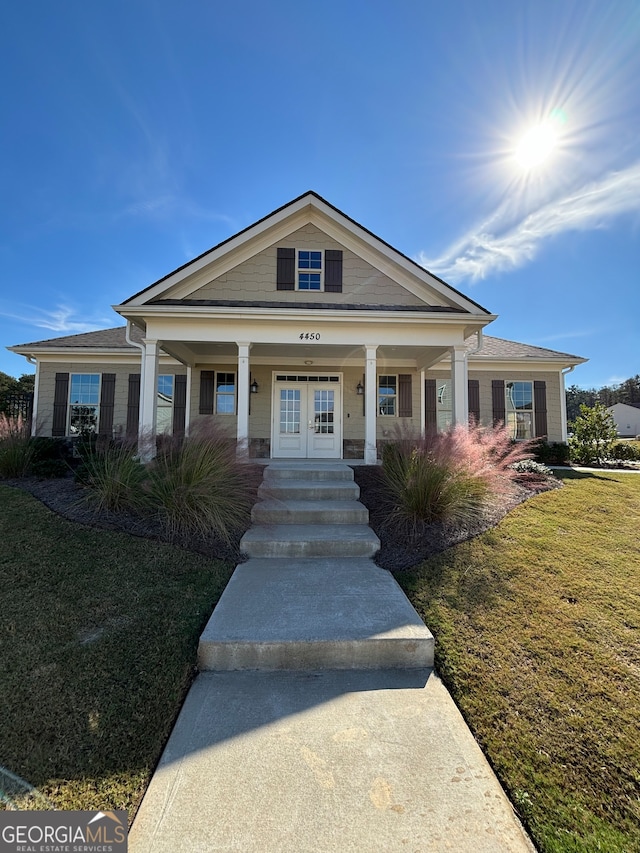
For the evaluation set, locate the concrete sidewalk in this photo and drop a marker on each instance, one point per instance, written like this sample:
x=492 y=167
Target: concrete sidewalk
x=316 y=723
x=324 y=762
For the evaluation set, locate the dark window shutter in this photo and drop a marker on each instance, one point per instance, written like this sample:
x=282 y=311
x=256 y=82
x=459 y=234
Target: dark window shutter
x=540 y=408
x=430 y=399
x=364 y=393
x=207 y=386
x=60 y=399
x=497 y=401
x=133 y=405
x=179 y=404
x=286 y=278
x=474 y=401
x=333 y=271
x=107 y=397
x=405 y=407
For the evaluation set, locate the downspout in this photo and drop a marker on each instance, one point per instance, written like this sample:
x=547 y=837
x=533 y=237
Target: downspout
x=133 y=343
x=36 y=391
x=563 y=402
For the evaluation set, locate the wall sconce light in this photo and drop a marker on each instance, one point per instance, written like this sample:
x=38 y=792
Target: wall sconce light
x=359 y=389
x=254 y=387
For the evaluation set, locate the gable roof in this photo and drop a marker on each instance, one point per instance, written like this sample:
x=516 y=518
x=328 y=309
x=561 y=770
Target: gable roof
x=313 y=205
x=105 y=340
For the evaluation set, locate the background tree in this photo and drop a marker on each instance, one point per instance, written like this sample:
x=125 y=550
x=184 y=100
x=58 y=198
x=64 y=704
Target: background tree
x=594 y=434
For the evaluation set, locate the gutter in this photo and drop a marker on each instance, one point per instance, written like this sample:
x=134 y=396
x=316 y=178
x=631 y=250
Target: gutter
x=127 y=337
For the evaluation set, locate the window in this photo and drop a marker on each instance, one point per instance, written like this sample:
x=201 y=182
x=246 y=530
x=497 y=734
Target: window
x=444 y=409
x=164 y=422
x=225 y=393
x=289 y=411
x=519 y=409
x=309 y=270
x=84 y=403
x=387 y=394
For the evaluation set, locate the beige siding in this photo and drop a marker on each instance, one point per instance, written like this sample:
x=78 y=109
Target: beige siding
x=485 y=377
x=255 y=279
x=122 y=371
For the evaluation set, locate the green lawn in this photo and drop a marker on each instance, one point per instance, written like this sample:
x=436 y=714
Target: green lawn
x=98 y=632
x=537 y=627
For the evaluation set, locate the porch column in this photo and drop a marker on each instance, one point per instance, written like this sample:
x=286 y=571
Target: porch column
x=148 y=400
x=459 y=385
x=370 y=406
x=423 y=402
x=243 y=398
x=187 y=414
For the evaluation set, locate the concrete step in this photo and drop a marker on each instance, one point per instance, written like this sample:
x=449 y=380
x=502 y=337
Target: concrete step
x=310 y=540
x=309 y=512
x=309 y=490
x=313 y=614
x=308 y=471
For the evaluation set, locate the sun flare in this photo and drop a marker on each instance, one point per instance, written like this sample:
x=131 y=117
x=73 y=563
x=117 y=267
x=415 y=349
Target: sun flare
x=536 y=146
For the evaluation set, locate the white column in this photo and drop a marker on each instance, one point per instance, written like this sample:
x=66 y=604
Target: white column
x=563 y=405
x=148 y=400
x=36 y=394
x=187 y=414
x=459 y=385
x=423 y=416
x=370 y=406
x=243 y=398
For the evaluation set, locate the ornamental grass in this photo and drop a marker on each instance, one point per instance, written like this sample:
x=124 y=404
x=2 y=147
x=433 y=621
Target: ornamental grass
x=450 y=477
x=16 y=447
x=201 y=486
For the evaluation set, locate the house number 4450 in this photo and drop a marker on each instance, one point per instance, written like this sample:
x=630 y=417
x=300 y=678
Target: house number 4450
x=309 y=336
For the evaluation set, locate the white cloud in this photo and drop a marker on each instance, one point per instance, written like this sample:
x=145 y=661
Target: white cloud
x=497 y=246
x=61 y=319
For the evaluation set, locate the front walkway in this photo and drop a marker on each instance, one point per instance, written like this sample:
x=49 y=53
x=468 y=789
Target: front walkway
x=317 y=723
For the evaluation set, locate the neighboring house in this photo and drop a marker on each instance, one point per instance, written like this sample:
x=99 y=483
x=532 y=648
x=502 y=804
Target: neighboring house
x=627 y=419
x=309 y=337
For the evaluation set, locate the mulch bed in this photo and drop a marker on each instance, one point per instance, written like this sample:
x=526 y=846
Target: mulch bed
x=398 y=550
x=71 y=500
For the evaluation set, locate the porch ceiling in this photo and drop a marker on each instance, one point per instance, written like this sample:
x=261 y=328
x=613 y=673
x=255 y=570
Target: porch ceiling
x=317 y=353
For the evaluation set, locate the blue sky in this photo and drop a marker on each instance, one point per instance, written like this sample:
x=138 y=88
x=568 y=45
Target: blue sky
x=137 y=134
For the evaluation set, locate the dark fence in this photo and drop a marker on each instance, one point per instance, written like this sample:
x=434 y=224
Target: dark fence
x=16 y=405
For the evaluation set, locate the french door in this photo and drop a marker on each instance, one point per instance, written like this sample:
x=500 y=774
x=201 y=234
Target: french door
x=307 y=417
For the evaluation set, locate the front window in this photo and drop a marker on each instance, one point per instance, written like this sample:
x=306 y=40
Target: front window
x=164 y=423
x=387 y=394
x=84 y=403
x=225 y=393
x=519 y=409
x=309 y=270
x=444 y=408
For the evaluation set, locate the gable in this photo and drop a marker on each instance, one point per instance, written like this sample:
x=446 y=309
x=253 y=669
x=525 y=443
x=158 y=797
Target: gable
x=362 y=283
x=243 y=269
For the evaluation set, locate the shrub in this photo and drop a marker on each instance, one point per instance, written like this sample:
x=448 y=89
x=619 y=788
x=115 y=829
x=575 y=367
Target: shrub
x=16 y=447
x=199 y=486
x=113 y=475
x=530 y=466
x=625 y=452
x=594 y=434
x=551 y=453
x=449 y=477
x=52 y=457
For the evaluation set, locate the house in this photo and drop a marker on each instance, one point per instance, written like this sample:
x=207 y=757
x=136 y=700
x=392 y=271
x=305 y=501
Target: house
x=627 y=419
x=309 y=337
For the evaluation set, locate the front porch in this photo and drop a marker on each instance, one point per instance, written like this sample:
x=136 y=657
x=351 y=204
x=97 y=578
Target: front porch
x=304 y=401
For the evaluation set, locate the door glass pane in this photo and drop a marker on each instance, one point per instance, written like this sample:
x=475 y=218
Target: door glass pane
x=323 y=412
x=289 y=410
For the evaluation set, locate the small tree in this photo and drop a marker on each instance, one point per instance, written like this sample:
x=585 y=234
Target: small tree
x=594 y=434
